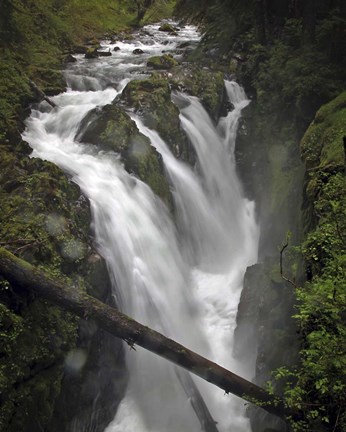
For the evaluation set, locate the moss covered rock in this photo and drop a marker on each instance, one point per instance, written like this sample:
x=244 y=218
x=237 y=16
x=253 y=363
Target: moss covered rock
x=162 y=62
x=151 y=99
x=206 y=84
x=110 y=128
x=167 y=28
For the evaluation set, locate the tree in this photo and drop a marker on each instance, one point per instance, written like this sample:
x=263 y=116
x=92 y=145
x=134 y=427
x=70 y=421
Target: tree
x=25 y=276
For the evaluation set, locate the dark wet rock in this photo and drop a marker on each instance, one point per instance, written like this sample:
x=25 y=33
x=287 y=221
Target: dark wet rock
x=138 y=51
x=116 y=48
x=104 y=53
x=206 y=84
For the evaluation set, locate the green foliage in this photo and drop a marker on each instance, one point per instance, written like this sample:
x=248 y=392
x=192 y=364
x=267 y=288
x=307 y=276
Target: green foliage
x=34 y=37
x=322 y=144
x=160 y=9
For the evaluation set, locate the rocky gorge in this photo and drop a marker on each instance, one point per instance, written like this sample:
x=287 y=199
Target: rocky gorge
x=61 y=243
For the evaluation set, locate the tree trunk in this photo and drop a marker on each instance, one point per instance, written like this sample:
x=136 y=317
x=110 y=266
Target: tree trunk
x=24 y=275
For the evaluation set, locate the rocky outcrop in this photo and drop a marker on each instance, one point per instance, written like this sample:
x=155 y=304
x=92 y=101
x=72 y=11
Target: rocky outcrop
x=151 y=99
x=111 y=128
x=204 y=83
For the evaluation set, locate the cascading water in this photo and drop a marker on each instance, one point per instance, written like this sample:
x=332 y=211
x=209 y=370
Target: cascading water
x=183 y=282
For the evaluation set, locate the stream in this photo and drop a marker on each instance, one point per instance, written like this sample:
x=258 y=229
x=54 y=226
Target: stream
x=182 y=277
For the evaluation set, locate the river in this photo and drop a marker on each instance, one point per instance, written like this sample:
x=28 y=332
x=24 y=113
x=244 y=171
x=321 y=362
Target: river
x=181 y=276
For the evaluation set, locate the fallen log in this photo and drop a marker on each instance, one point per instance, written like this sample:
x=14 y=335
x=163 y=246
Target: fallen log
x=24 y=275
x=42 y=94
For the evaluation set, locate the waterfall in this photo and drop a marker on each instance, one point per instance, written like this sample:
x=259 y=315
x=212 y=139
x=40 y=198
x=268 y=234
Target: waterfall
x=181 y=279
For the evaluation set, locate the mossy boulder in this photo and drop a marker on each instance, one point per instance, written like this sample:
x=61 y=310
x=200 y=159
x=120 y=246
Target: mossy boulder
x=151 y=99
x=162 y=62
x=168 y=28
x=110 y=128
x=203 y=83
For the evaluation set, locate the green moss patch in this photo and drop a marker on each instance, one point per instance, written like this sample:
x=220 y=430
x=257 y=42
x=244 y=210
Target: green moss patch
x=322 y=144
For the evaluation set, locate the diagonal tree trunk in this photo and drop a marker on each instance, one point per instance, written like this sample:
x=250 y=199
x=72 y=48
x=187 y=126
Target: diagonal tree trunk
x=24 y=275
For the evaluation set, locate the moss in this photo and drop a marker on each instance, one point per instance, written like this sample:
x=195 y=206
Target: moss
x=151 y=99
x=162 y=62
x=206 y=84
x=112 y=129
x=33 y=345
x=322 y=144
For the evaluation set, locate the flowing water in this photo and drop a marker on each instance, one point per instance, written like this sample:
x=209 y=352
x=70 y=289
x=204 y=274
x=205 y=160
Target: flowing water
x=182 y=278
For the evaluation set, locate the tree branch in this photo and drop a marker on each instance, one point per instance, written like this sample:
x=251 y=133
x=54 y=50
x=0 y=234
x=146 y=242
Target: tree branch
x=284 y=246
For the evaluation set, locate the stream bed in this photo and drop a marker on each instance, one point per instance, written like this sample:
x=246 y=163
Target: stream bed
x=181 y=276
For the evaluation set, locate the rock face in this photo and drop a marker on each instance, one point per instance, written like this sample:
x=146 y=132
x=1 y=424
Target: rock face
x=265 y=337
x=203 y=83
x=101 y=382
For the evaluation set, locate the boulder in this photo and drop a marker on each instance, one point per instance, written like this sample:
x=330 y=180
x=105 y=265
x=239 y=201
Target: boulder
x=138 y=51
x=167 y=28
x=162 y=62
x=110 y=128
x=151 y=98
x=116 y=48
